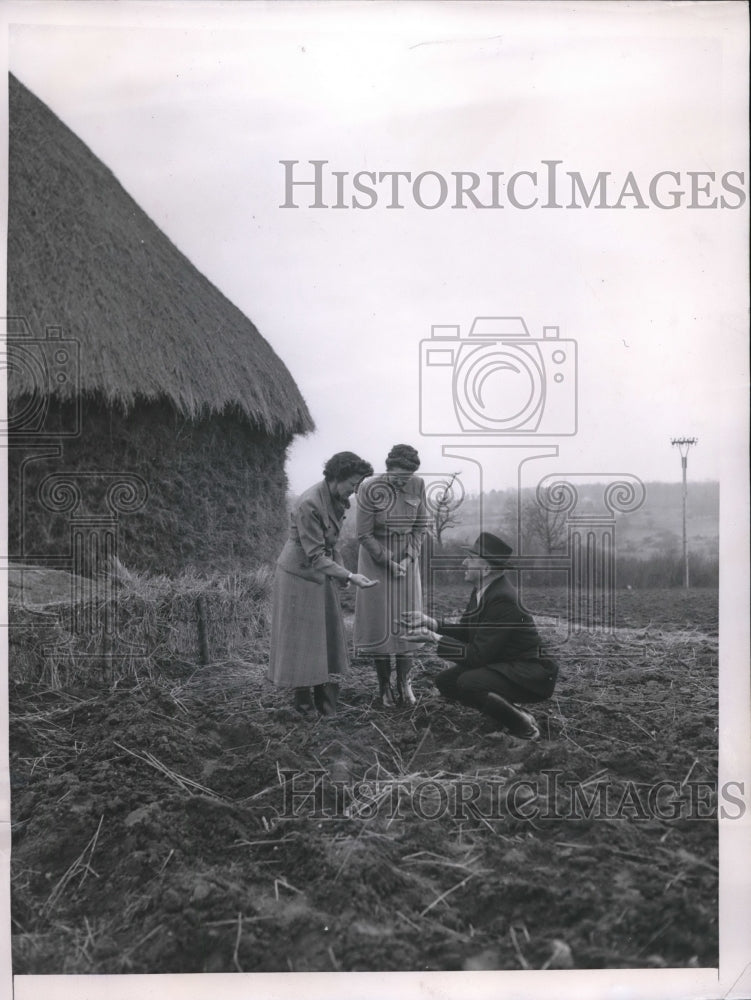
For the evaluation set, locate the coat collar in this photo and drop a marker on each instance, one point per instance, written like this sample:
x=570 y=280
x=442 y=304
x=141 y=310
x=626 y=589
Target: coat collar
x=383 y=477
x=483 y=594
x=334 y=510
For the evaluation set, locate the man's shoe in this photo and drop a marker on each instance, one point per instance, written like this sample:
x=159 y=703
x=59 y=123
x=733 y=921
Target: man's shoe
x=532 y=731
x=518 y=722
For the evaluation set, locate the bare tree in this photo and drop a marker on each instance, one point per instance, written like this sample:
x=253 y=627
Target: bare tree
x=542 y=529
x=443 y=511
x=443 y=518
x=545 y=524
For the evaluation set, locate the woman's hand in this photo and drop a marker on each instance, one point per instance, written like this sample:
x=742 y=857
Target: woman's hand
x=416 y=619
x=362 y=581
x=397 y=569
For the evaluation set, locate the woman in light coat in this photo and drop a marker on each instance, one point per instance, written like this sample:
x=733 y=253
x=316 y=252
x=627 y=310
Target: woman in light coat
x=392 y=519
x=308 y=643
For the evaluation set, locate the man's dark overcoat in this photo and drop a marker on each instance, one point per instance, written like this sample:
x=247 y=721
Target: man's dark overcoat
x=500 y=634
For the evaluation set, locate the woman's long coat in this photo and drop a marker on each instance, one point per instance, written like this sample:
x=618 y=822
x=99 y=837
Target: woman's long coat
x=308 y=642
x=391 y=524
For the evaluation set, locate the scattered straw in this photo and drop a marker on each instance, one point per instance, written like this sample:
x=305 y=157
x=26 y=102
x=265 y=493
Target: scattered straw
x=397 y=753
x=418 y=748
x=187 y=784
x=235 y=959
x=167 y=860
x=688 y=775
x=406 y=919
x=522 y=960
x=79 y=865
x=283 y=882
x=447 y=893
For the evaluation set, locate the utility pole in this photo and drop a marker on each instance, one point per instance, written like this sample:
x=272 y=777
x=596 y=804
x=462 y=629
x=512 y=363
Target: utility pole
x=683 y=444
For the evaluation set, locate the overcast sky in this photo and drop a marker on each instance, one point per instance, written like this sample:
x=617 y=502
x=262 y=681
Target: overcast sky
x=193 y=107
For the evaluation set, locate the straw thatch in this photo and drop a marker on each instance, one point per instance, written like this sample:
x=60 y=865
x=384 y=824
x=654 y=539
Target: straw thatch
x=172 y=383
x=82 y=255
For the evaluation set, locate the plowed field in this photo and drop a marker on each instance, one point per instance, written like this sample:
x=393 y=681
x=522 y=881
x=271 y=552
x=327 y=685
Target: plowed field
x=197 y=824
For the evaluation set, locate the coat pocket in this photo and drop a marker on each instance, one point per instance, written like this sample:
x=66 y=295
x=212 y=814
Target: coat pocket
x=330 y=538
x=292 y=560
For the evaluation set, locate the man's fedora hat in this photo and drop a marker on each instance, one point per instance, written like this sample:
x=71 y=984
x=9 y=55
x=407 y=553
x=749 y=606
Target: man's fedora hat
x=491 y=548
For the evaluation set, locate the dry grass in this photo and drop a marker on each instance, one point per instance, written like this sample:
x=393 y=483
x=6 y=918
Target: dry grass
x=81 y=865
x=160 y=621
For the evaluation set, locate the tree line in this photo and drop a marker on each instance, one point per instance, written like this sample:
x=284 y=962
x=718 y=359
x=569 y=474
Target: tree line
x=534 y=527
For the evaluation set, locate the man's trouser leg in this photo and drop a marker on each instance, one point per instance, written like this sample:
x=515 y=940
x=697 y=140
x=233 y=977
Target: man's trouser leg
x=496 y=696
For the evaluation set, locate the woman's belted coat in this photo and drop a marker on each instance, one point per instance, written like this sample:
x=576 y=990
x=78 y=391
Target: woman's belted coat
x=391 y=524
x=308 y=642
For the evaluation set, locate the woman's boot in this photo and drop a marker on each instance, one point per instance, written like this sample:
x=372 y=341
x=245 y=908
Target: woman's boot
x=383 y=672
x=403 y=684
x=302 y=702
x=325 y=697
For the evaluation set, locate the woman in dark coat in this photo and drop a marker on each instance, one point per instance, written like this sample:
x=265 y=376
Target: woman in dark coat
x=392 y=520
x=308 y=644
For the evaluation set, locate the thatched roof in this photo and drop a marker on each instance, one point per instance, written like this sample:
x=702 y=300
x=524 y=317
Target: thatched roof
x=83 y=256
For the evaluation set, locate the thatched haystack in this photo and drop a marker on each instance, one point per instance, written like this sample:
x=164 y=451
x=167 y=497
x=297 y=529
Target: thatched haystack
x=161 y=376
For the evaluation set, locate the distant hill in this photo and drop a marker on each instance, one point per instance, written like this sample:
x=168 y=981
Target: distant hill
x=655 y=528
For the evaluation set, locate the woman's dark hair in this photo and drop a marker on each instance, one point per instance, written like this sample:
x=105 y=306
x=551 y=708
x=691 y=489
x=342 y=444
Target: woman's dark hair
x=345 y=464
x=403 y=456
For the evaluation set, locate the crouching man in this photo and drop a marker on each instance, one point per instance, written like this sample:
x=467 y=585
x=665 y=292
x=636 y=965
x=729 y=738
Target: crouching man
x=495 y=645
